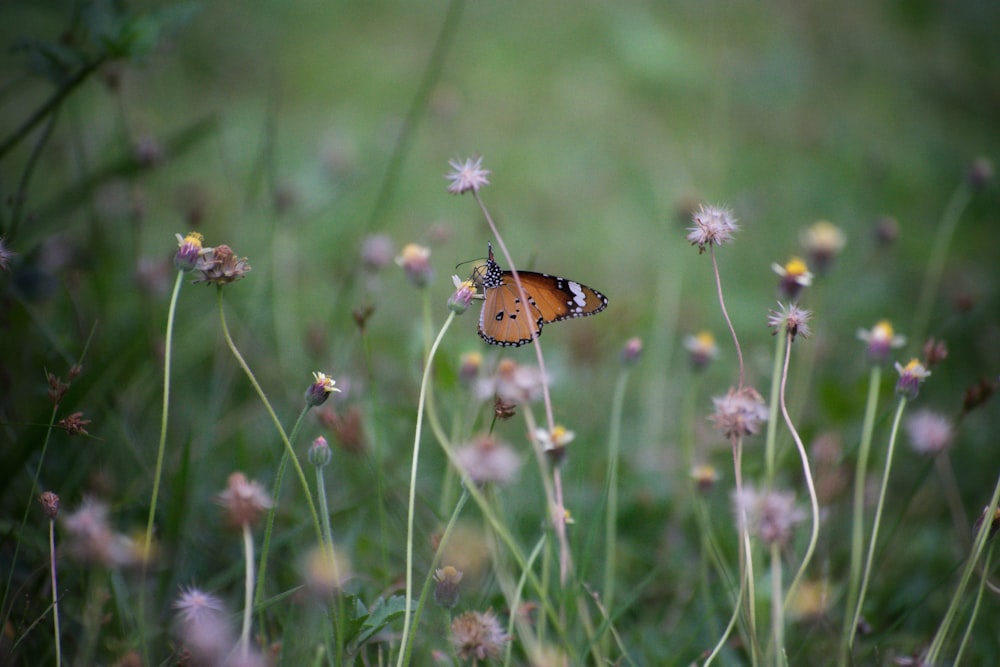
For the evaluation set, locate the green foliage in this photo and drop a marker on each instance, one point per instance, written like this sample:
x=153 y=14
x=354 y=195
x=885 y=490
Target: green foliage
x=295 y=133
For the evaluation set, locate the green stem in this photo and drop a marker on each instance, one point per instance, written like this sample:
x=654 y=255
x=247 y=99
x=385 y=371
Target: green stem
x=937 y=644
x=408 y=647
x=611 y=515
x=168 y=348
x=328 y=551
x=277 y=423
x=770 y=446
x=939 y=255
x=975 y=608
x=432 y=74
x=877 y=520
x=49 y=106
x=413 y=481
x=806 y=473
x=857 y=521
x=777 y=608
x=21 y=196
x=247 y=589
x=55 y=592
x=279 y=477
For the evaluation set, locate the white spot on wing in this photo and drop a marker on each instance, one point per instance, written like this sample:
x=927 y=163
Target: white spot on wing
x=579 y=298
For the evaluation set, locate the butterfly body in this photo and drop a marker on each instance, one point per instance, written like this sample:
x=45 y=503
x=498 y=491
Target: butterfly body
x=504 y=319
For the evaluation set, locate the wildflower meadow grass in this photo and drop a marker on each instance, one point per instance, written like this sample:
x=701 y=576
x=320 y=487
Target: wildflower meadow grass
x=264 y=400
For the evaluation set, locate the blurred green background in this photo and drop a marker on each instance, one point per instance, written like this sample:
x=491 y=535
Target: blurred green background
x=292 y=131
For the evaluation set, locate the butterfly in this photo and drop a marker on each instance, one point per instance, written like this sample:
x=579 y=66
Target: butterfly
x=503 y=320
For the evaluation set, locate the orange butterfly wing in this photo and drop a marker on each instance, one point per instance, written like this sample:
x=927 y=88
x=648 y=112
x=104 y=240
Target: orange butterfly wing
x=503 y=320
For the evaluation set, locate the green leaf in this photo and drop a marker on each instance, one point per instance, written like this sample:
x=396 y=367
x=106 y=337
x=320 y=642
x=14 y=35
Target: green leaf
x=382 y=614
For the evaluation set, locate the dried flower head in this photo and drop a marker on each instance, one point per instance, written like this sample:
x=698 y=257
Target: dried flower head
x=705 y=476
x=243 y=501
x=791 y=319
x=478 y=636
x=886 y=231
x=881 y=340
x=348 y=428
x=739 y=413
x=203 y=628
x=770 y=515
x=702 y=349
x=90 y=540
x=194 y=605
x=822 y=241
x=469 y=365
x=462 y=297
x=930 y=432
x=377 y=252
x=487 y=460
x=978 y=394
x=795 y=276
x=74 y=424
x=320 y=389
x=446 y=581
x=57 y=388
x=50 y=505
x=222 y=267
x=935 y=351
x=554 y=442
x=468 y=176
x=415 y=260
x=631 y=351
x=911 y=376
x=502 y=409
x=713 y=225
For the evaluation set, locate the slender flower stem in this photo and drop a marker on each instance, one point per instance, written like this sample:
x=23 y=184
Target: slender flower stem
x=279 y=477
x=248 y=589
x=558 y=513
x=547 y=399
x=328 y=551
x=428 y=365
x=277 y=422
x=877 y=520
x=542 y=541
x=442 y=543
x=806 y=473
x=611 y=513
x=937 y=644
x=737 y=606
x=857 y=521
x=770 y=442
x=939 y=255
x=725 y=314
x=746 y=552
x=975 y=607
x=31 y=500
x=777 y=608
x=168 y=349
x=55 y=592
